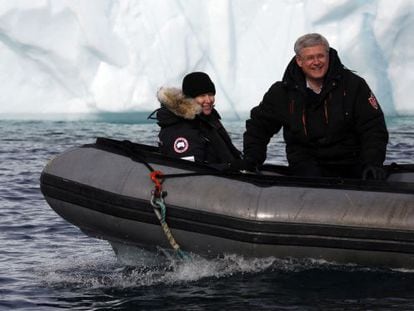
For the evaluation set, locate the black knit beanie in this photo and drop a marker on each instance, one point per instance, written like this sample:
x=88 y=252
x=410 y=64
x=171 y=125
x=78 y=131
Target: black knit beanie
x=197 y=83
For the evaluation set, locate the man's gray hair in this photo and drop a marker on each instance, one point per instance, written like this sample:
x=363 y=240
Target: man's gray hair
x=309 y=40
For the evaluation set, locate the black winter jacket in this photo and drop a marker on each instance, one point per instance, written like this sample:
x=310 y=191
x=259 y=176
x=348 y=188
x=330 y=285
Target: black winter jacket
x=186 y=133
x=343 y=125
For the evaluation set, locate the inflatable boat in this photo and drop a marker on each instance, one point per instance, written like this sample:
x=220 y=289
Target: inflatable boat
x=107 y=189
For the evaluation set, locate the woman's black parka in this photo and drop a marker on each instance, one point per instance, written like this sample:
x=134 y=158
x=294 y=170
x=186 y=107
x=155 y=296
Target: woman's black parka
x=187 y=133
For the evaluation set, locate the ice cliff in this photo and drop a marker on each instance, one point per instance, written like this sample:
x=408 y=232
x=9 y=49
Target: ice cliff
x=78 y=56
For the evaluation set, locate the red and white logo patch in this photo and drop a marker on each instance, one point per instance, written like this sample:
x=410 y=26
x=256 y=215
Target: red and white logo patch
x=181 y=145
x=373 y=102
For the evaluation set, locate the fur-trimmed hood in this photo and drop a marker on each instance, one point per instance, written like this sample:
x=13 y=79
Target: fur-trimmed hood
x=175 y=101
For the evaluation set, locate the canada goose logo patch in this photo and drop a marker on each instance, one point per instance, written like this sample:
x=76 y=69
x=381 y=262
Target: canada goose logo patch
x=373 y=102
x=181 y=145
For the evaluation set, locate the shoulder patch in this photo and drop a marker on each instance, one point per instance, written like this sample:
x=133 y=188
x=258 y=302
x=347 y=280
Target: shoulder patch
x=181 y=145
x=373 y=101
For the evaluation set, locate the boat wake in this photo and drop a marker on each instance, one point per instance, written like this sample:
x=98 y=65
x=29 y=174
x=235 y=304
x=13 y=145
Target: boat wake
x=137 y=268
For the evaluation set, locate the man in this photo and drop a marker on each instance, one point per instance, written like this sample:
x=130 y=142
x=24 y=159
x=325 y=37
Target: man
x=190 y=125
x=332 y=123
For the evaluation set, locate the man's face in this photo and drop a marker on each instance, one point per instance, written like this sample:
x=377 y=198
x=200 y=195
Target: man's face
x=206 y=101
x=314 y=62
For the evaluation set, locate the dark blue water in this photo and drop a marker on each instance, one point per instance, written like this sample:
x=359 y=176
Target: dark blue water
x=48 y=264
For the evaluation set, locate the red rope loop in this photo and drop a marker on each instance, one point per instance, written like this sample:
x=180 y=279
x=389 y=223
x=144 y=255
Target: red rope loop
x=156 y=177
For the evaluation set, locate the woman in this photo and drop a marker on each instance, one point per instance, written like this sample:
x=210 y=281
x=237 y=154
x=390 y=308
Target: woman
x=190 y=126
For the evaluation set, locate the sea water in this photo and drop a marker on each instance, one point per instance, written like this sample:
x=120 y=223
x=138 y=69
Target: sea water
x=48 y=264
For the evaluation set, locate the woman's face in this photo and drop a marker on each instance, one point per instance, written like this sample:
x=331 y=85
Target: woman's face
x=206 y=101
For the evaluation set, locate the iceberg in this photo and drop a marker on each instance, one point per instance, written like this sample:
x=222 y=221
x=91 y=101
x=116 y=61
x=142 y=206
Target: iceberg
x=104 y=56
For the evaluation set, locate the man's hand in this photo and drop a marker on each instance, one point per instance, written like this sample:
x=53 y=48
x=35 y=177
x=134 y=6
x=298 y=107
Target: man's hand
x=373 y=172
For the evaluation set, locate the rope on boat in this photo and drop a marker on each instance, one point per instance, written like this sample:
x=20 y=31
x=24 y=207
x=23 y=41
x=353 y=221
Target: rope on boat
x=160 y=210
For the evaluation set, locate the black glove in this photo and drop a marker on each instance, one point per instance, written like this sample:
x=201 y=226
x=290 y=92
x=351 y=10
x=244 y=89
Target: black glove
x=243 y=165
x=373 y=172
